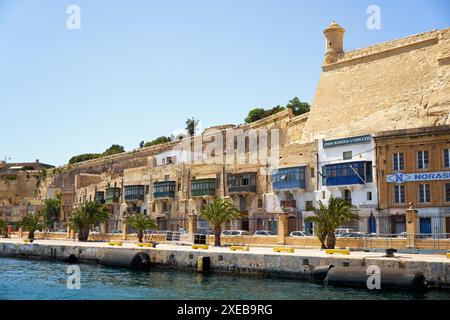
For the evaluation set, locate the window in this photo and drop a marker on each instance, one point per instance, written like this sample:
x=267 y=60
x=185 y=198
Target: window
x=399 y=193
x=447 y=192
x=260 y=203
x=369 y=196
x=312 y=173
x=446 y=158
x=398 y=163
x=422 y=160
x=424 y=193
x=348 y=195
x=348 y=155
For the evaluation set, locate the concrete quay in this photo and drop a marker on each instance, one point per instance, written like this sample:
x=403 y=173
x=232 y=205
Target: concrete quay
x=260 y=261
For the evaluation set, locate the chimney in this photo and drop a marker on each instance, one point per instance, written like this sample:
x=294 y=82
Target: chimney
x=334 y=35
x=37 y=161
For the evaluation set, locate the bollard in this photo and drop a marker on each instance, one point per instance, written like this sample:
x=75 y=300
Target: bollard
x=203 y=264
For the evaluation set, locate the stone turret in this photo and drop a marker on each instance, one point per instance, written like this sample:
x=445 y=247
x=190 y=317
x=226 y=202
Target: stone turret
x=334 y=35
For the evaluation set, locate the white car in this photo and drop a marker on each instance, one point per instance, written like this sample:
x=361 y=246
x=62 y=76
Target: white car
x=300 y=234
x=264 y=233
x=235 y=233
x=341 y=231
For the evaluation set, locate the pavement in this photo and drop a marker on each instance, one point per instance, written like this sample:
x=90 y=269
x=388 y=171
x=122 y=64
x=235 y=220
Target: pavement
x=307 y=253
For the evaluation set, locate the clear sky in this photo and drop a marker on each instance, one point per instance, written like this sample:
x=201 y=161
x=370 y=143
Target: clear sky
x=137 y=69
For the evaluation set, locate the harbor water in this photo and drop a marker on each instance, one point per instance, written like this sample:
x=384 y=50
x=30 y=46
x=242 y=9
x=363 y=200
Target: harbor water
x=44 y=280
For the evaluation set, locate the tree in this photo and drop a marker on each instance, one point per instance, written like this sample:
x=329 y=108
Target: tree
x=84 y=157
x=114 y=149
x=159 y=140
x=87 y=216
x=255 y=115
x=260 y=113
x=3 y=228
x=191 y=126
x=142 y=222
x=217 y=213
x=298 y=107
x=32 y=223
x=141 y=144
x=52 y=211
x=327 y=219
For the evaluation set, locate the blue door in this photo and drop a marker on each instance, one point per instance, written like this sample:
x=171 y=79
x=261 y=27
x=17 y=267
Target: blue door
x=425 y=225
x=372 y=224
x=309 y=227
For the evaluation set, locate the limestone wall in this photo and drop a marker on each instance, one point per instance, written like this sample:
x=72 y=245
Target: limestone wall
x=396 y=85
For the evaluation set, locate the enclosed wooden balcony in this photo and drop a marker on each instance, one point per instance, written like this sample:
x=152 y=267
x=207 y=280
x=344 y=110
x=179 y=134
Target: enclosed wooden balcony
x=164 y=189
x=203 y=187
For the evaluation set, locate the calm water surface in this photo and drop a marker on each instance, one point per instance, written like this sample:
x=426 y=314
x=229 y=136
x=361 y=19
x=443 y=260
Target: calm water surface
x=28 y=279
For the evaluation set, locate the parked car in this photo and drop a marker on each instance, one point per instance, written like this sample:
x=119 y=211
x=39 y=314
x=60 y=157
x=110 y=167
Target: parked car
x=355 y=235
x=206 y=232
x=264 y=233
x=341 y=231
x=226 y=233
x=300 y=234
x=240 y=233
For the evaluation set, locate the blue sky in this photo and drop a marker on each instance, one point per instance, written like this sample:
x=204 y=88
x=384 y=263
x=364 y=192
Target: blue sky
x=137 y=69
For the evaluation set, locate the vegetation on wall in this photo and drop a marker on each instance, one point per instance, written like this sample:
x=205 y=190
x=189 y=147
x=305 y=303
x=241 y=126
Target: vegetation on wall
x=159 y=140
x=295 y=104
x=114 y=149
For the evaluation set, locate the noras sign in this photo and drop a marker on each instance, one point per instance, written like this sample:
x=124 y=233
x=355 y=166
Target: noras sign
x=425 y=176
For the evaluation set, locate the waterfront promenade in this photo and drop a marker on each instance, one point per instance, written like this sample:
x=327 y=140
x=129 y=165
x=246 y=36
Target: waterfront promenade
x=257 y=250
x=261 y=261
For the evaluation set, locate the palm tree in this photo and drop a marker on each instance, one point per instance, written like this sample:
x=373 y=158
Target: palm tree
x=32 y=223
x=3 y=228
x=87 y=216
x=142 y=222
x=328 y=218
x=217 y=213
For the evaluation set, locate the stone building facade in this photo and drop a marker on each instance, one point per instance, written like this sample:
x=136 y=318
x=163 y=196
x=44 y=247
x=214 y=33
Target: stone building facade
x=414 y=167
x=401 y=84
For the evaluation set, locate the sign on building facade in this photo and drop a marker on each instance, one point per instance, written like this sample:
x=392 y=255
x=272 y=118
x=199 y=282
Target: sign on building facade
x=423 y=176
x=346 y=141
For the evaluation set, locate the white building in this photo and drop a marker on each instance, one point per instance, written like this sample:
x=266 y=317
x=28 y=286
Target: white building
x=347 y=171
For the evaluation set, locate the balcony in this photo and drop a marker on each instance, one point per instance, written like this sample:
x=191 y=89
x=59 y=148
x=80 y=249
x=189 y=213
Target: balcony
x=348 y=173
x=99 y=197
x=112 y=195
x=134 y=193
x=203 y=187
x=242 y=182
x=288 y=204
x=289 y=179
x=164 y=189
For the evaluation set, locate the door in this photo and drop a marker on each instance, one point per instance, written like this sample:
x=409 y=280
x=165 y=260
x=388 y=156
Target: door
x=398 y=224
x=245 y=224
x=447 y=226
x=292 y=224
x=372 y=224
x=309 y=227
x=425 y=225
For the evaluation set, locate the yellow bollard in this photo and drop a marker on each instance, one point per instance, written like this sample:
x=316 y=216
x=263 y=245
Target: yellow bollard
x=240 y=248
x=200 y=246
x=284 y=249
x=147 y=245
x=338 y=251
